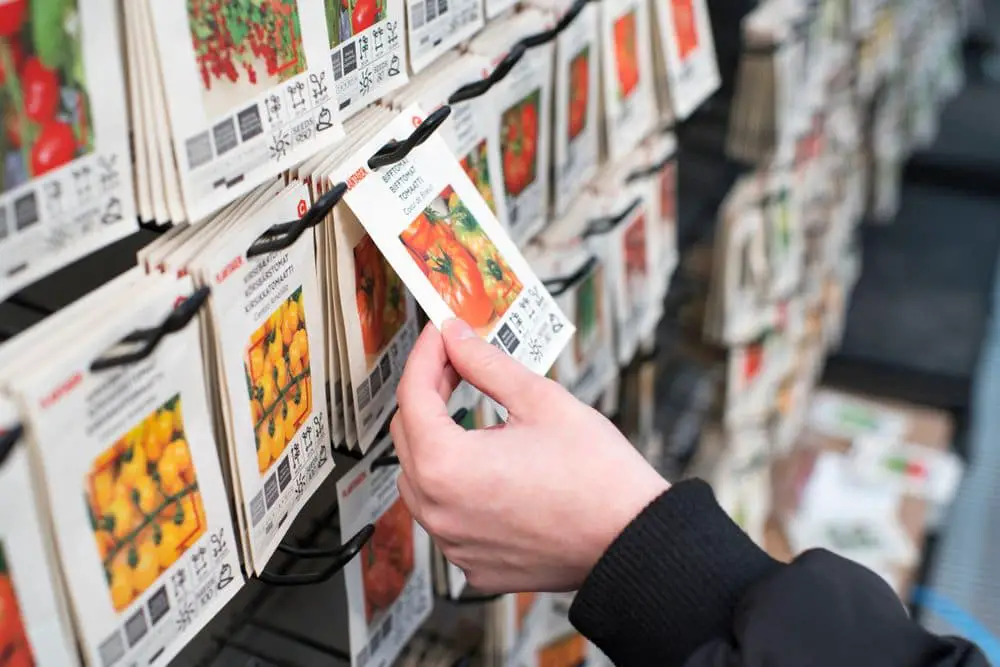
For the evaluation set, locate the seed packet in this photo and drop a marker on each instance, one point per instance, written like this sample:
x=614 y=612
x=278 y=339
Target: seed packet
x=37 y=628
x=66 y=184
x=575 y=129
x=684 y=33
x=629 y=95
x=242 y=112
x=270 y=340
x=436 y=231
x=380 y=324
x=521 y=617
x=521 y=106
x=917 y=470
x=433 y=28
x=137 y=498
x=389 y=582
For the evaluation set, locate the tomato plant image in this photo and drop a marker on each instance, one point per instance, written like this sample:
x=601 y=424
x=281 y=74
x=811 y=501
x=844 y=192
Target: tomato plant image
x=461 y=262
x=380 y=296
x=143 y=501
x=44 y=103
x=15 y=649
x=476 y=167
x=579 y=92
x=278 y=379
x=626 y=54
x=387 y=559
x=519 y=143
x=242 y=47
x=348 y=18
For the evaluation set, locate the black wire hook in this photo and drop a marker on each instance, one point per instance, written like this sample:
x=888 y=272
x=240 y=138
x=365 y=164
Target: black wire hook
x=341 y=555
x=8 y=439
x=179 y=317
x=394 y=151
x=650 y=171
x=538 y=39
x=599 y=226
x=503 y=68
x=284 y=234
x=559 y=285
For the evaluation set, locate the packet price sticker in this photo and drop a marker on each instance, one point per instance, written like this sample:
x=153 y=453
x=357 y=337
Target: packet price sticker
x=431 y=223
x=36 y=625
x=137 y=499
x=248 y=96
x=66 y=188
x=436 y=26
x=389 y=590
x=367 y=50
x=270 y=333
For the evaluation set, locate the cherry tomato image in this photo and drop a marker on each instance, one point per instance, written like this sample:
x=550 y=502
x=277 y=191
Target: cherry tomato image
x=40 y=87
x=54 y=147
x=12 y=15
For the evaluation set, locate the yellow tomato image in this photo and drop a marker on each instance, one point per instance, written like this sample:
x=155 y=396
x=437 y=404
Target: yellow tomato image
x=268 y=392
x=256 y=411
x=147 y=567
x=280 y=373
x=121 y=515
x=256 y=363
x=263 y=448
x=133 y=466
x=105 y=543
x=170 y=472
x=163 y=426
x=199 y=508
x=154 y=445
x=189 y=524
x=103 y=485
x=276 y=318
x=301 y=342
x=122 y=585
x=295 y=366
x=146 y=496
x=276 y=434
x=275 y=351
x=168 y=546
x=179 y=451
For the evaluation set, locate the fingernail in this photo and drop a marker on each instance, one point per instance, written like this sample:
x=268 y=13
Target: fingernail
x=457 y=329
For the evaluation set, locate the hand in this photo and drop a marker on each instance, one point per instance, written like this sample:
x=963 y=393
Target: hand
x=527 y=506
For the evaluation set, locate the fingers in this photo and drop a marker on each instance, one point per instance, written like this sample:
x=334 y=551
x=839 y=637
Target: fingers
x=493 y=372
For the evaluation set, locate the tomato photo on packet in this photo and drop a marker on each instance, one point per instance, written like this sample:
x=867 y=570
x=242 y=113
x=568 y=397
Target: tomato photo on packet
x=579 y=92
x=15 y=649
x=476 y=167
x=519 y=143
x=626 y=53
x=349 y=18
x=44 y=102
x=685 y=27
x=380 y=297
x=387 y=560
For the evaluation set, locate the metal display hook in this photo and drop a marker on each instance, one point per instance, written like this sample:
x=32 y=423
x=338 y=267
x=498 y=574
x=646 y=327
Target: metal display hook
x=179 y=317
x=284 y=234
x=650 y=171
x=341 y=555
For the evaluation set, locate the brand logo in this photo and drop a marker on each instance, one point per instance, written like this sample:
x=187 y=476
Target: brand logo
x=228 y=270
x=302 y=208
x=356 y=178
x=354 y=485
x=63 y=389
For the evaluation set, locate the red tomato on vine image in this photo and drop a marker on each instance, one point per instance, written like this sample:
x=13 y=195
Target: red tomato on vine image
x=349 y=18
x=519 y=143
x=579 y=91
x=387 y=560
x=626 y=54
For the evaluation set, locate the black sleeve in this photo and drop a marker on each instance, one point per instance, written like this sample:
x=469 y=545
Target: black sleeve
x=683 y=586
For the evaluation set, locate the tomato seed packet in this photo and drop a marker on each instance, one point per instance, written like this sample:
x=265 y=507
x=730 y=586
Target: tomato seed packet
x=684 y=31
x=389 y=582
x=251 y=108
x=432 y=225
x=629 y=95
x=433 y=28
x=137 y=499
x=270 y=341
x=380 y=324
x=66 y=184
x=37 y=628
x=575 y=128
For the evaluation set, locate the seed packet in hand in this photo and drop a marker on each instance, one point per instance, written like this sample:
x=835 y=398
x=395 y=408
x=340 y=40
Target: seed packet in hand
x=380 y=324
x=684 y=33
x=629 y=95
x=269 y=332
x=389 y=582
x=37 y=628
x=137 y=499
x=245 y=111
x=66 y=187
x=434 y=228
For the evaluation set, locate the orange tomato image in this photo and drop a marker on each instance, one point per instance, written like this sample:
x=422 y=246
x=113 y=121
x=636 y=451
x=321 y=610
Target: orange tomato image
x=461 y=262
x=15 y=650
x=135 y=492
x=579 y=92
x=276 y=366
x=685 y=27
x=380 y=297
x=626 y=54
x=387 y=559
x=568 y=651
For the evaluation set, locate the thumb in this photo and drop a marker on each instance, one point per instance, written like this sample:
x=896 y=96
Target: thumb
x=492 y=371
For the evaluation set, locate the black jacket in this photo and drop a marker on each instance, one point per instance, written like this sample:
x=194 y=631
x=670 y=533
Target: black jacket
x=683 y=586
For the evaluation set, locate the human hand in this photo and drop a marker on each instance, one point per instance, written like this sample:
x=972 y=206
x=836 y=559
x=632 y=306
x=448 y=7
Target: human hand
x=530 y=505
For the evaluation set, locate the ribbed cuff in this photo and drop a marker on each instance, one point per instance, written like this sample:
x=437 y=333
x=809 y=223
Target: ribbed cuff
x=670 y=582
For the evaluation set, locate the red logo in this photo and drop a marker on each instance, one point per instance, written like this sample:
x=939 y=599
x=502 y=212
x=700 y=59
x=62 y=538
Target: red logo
x=228 y=270
x=62 y=390
x=356 y=178
x=354 y=485
x=417 y=120
x=302 y=208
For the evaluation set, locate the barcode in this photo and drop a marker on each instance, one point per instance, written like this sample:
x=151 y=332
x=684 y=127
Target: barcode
x=225 y=136
x=25 y=211
x=417 y=19
x=364 y=395
x=199 y=150
x=375 y=380
x=338 y=68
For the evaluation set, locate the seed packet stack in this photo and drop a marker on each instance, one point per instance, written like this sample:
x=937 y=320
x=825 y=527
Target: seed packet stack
x=66 y=182
x=684 y=51
x=228 y=100
x=628 y=98
x=576 y=132
x=436 y=231
x=137 y=499
x=520 y=107
x=389 y=588
x=38 y=628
